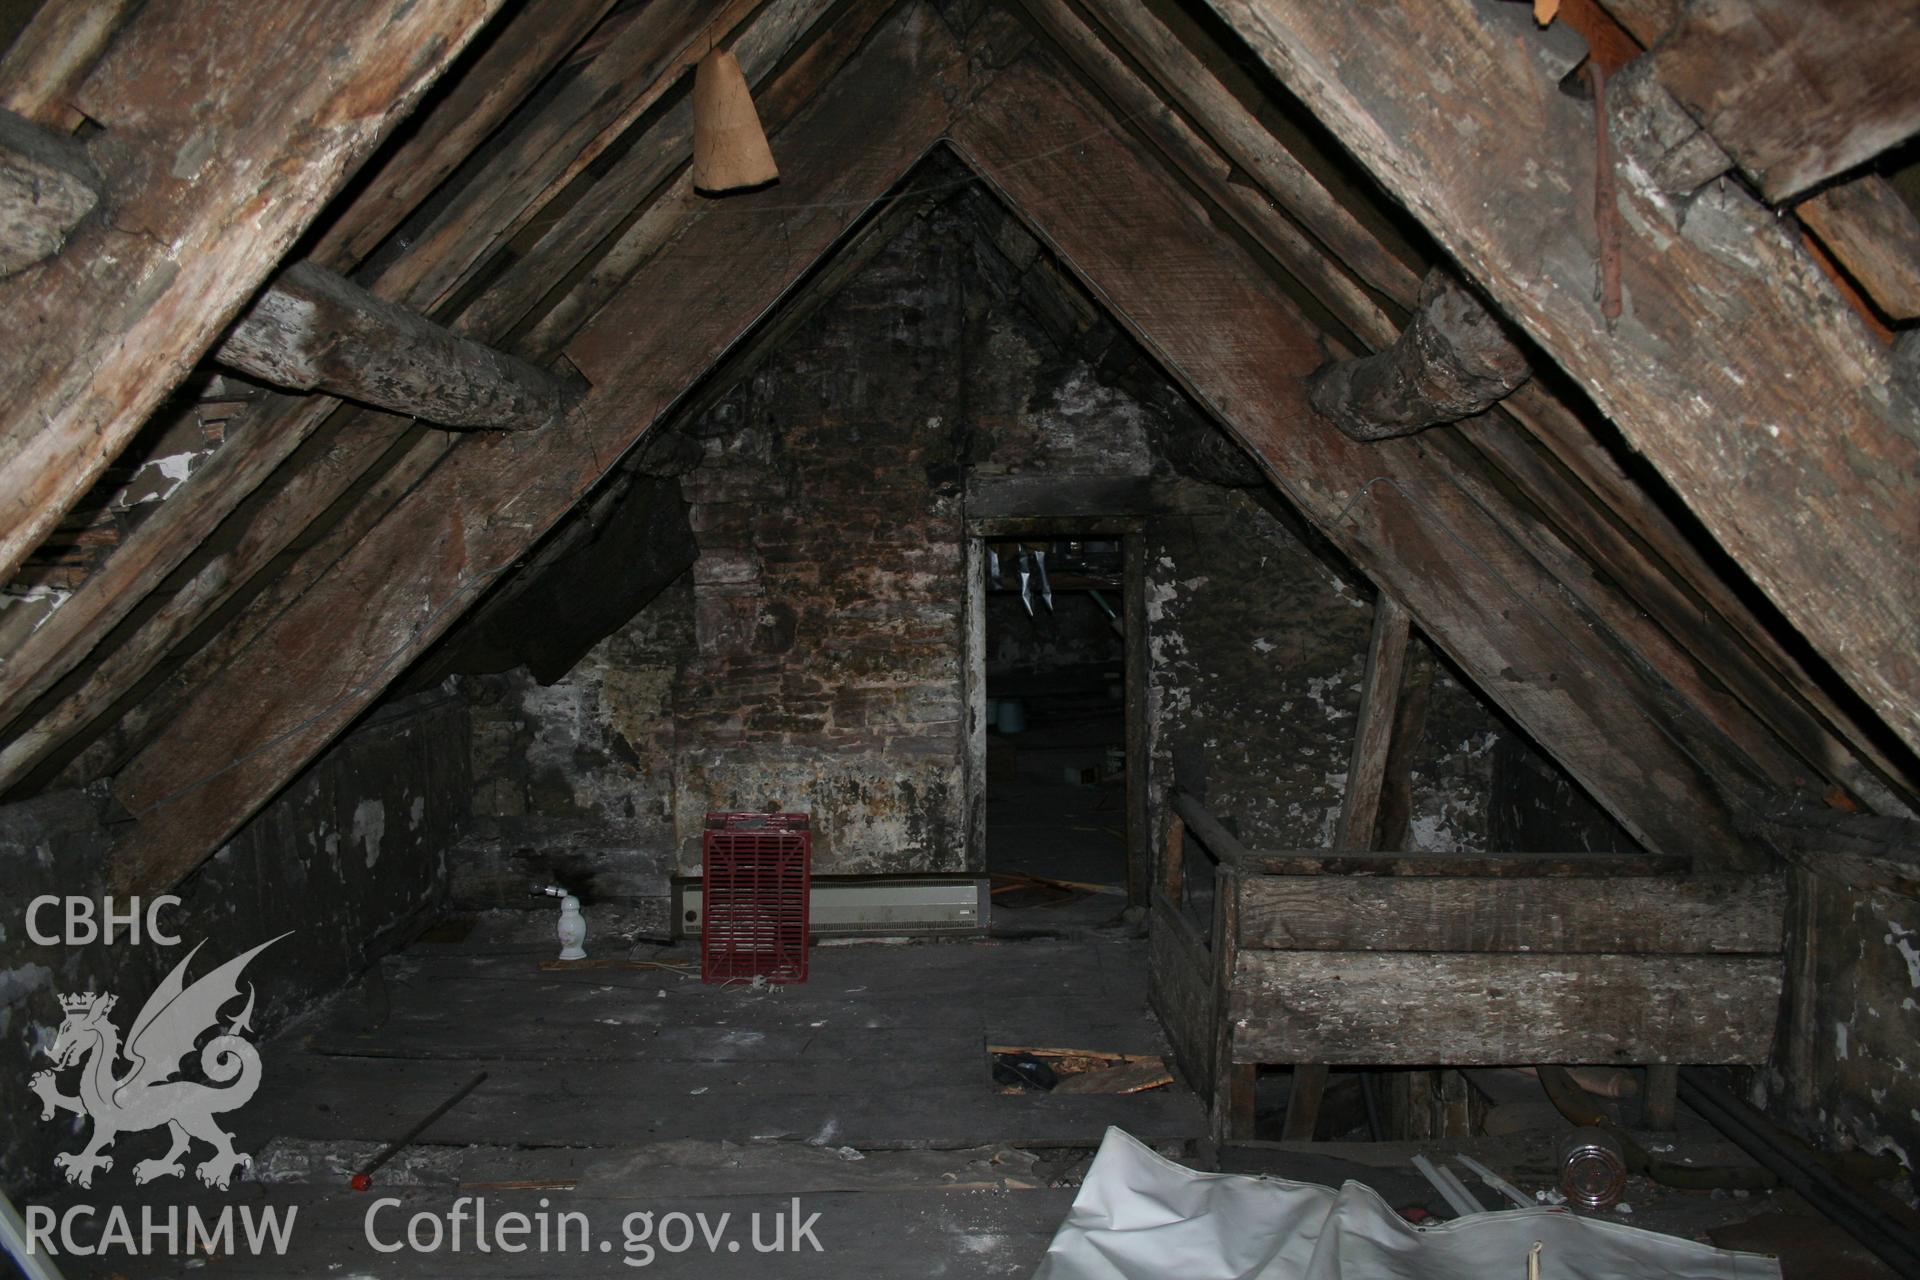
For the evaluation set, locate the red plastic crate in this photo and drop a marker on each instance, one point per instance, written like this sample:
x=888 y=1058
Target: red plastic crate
x=756 y=897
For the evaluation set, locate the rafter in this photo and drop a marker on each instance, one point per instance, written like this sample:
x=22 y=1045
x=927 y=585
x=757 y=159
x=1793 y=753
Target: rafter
x=360 y=440
x=209 y=177
x=1803 y=469
x=273 y=431
x=1234 y=339
x=1600 y=510
x=1824 y=84
x=303 y=680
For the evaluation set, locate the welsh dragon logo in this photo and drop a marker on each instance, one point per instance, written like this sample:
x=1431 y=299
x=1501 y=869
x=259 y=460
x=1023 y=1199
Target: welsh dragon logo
x=145 y=1095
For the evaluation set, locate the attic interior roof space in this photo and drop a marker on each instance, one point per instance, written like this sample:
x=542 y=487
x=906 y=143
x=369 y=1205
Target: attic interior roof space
x=365 y=346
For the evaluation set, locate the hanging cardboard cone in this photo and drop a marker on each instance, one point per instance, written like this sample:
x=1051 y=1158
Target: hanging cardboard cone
x=730 y=151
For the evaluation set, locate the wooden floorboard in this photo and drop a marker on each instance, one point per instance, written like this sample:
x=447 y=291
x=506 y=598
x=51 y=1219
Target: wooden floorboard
x=867 y=1092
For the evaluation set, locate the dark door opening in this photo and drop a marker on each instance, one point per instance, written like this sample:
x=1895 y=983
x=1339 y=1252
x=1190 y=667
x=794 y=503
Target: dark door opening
x=1054 y=703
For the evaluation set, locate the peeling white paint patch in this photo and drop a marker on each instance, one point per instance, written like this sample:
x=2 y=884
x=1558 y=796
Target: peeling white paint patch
x=17 y=984
x=370 y=827
x=1900 y=939
x=42 y=597
x=156 y=479
x=1840 y=1041
x=416 y=813
x=1432 y=833
x=1262 y=645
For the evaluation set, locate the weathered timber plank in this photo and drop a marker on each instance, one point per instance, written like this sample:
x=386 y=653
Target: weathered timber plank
x=1670 y=915
x=1373 y=732
x=1803 y=468
x=1419 y=1008
x=1452 y=361
x=52 y=55
x=1225 y=330
x=302 y=680
x=185 y=514
x=1171 y=879
x=1246 y=142
x=1180 y=990
x=1223 y=117
x=210 y=177
x=586 y=116
x=1232 y=1094
x=1645 y=20
x=1876 y=237
x=1820 y=86
x=634 y=177
x=313 y=329
x=46 y=187
x=1507 y=866
x=518 y=53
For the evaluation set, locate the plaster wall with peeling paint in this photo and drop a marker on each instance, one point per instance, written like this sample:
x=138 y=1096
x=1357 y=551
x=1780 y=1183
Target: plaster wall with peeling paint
x=814 y=659
x=351 y=858
x=1849 y=1072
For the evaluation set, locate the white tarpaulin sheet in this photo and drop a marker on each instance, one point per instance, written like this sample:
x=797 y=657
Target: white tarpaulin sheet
x=1140 y=1216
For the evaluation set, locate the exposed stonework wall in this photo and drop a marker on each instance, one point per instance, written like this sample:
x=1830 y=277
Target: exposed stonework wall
x=573 y=782
x=349 y=857
x=1259 y=648
x=816 y=658
x=1257 y=653
x=1856 y=1083
x=826 y=669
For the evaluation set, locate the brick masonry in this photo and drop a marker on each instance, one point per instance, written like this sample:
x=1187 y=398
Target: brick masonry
x=814 y=657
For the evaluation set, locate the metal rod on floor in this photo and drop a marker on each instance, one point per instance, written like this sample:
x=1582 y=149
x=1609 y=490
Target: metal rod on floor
x=1494 y=1181
x=1451 y=1189
x=364 y=1178
x=1751 y=1131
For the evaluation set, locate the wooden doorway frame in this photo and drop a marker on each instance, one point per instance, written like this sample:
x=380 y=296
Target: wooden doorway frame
x=1129 y=531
